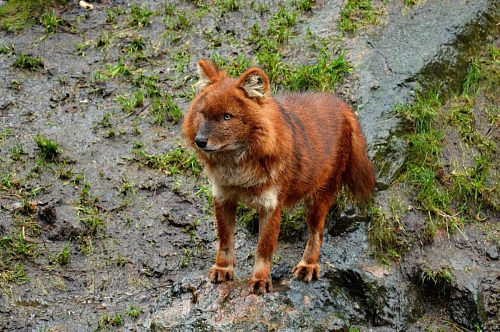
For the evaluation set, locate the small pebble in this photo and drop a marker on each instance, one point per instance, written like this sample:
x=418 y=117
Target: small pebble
x=492 y=252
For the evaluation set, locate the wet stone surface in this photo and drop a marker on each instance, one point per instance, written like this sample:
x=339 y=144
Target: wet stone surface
x=156 y=237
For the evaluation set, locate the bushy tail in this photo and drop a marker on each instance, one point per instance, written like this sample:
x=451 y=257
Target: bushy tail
x=358 y=175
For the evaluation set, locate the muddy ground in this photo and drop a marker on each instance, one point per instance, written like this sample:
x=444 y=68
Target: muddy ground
x=115 y=230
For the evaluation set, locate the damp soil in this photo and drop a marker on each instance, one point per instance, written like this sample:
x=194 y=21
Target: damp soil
x=155 y=235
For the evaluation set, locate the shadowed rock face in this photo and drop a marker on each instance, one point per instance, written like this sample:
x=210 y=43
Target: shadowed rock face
x=427 y=45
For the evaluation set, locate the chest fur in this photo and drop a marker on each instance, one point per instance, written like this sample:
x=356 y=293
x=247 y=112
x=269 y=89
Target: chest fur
x=240 y=183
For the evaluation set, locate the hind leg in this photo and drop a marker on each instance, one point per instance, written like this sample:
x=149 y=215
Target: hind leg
x=317 y=209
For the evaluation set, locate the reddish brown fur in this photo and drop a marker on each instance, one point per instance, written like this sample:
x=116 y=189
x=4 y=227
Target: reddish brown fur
x=274 y=152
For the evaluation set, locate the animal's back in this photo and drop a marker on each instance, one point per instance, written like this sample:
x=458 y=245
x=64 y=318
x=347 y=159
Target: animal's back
x=318 y=122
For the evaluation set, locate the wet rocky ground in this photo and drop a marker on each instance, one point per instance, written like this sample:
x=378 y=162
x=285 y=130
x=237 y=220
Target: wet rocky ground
x=113 y=229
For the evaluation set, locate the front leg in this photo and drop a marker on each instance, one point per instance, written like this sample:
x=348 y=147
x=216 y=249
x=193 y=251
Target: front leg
x=225 y=213
x=269 y=227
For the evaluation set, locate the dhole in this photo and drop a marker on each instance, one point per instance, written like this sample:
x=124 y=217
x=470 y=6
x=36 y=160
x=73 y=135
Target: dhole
x=270 y=153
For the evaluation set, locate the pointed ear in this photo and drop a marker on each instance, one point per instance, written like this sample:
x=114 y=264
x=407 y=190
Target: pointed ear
x=208 y=73
x=255 y=83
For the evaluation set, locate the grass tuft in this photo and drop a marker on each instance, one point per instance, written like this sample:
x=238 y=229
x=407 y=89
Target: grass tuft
x=382 y=231
x=134 y=312
x=17 y=14
x=179 y=160
x=50 y=21
x=7 y=48
x=28 y=62
x=48 y=149
x=139 y=16
x=357 y=14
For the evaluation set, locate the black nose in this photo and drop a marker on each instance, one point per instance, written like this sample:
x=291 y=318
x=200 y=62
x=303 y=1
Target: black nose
x=201 y=142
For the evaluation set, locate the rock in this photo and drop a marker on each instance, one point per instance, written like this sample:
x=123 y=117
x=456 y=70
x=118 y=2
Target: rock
x=48 y=214
x=351 y=293
x=281 y=272
x=465 y=305
x=67 y=226
x=492 y=252
x=176 y=220
x=490 y=292
x=396 y=59
x=154 y=267
x=462 y=292
x=363 y=297
x=347 y=220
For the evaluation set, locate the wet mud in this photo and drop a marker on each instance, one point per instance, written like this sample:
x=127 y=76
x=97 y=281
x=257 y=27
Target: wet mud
x=144 y=237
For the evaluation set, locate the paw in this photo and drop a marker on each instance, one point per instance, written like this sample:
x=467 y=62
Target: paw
x=259 y=286
x=218 y=274
x=306 y=272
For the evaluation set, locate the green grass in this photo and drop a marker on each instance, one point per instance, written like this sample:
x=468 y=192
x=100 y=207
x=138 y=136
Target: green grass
x=18 y=247
x=461 y=186
x=118 y=70
x=179 y=160
x=106 y=322
x=234 y=66
x=135 y=45
x=187 y=256
x=128 y=187
x=225 y=6
x=323 y=72
x=105 y=120
x=134 y=312
x=16 y=275
x=112 y=14
x=104 y=41
x=7 y=48
x=64 y=256
x=293 y=221
x=164 y=108
x=169 y=9
x=139 y=16
x=410 y=3
x=65 y=172
x=442 y=276
x=16 y=151
x=28 y=62
x=181 y=21
x=304 y=5
x=181 y=60
x=357 y=14
x=6 y=181
x=149 y=83
x=382 y=232
x=17 y=14
x=119 y=260
x=82 y=47
x=278 y=32
x=91 y=219
x=49 y=150
x=50 y=21
x=88 y=212
x=130 y=102
x=322 y=75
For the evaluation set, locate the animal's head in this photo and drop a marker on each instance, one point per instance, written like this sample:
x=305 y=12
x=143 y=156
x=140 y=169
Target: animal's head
x=228 y=114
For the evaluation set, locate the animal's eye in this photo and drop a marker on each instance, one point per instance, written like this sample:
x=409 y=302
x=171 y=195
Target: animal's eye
x=227 y=116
